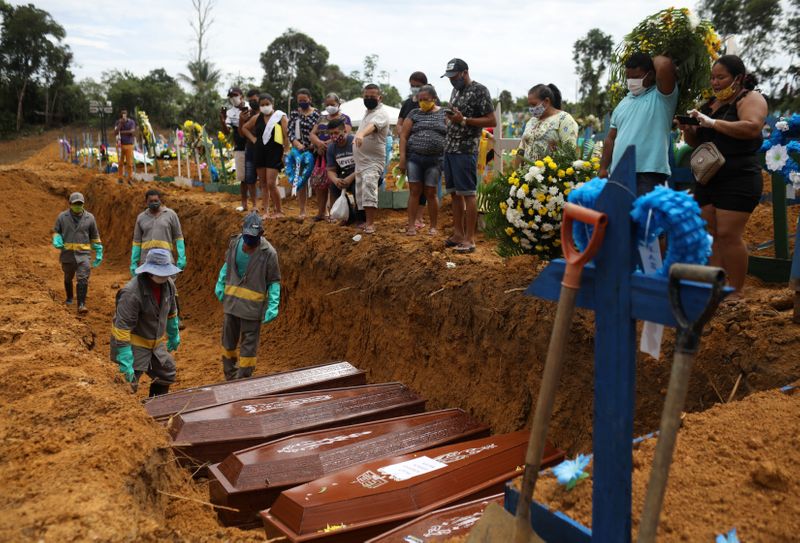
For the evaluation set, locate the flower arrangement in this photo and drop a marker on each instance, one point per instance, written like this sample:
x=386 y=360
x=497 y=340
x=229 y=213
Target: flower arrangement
x=678 y=33
x=192 y=133
x=147 y=131
x=523 y=208
x=784 y=139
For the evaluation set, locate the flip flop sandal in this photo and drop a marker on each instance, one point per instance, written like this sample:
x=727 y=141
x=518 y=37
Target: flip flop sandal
x=433 y=232
x=465 y=249
x=450 y=243
x=369 y=229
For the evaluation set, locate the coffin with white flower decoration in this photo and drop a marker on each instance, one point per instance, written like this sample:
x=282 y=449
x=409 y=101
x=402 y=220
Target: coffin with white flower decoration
x=366 y=500
x=209 y=435
x=440 y=525
x=332 y=375
x=251 y=479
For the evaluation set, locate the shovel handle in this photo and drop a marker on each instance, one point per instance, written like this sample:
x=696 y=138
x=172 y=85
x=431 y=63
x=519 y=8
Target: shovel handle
x=689 y=331
x=576 y=260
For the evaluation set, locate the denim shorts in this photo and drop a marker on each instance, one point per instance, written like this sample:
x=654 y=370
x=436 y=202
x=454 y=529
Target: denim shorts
x=424 y=168
x=461 y=174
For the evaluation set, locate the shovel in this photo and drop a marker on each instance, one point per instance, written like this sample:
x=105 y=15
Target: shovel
x=687 y=343
x=496 y=525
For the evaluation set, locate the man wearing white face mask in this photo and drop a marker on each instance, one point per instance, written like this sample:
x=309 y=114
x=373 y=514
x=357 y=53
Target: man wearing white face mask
x=144 y=331
x=229 y=119
x=644 y=119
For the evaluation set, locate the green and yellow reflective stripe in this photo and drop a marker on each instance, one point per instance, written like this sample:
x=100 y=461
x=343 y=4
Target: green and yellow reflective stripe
x=179 y=239
x=140 y=341
x=247 y=361
x=77 y=247
x=230 y=354
x=120 y=334
x=96 y=240
x=137 y=244
x=157 y=244
x=245 y=293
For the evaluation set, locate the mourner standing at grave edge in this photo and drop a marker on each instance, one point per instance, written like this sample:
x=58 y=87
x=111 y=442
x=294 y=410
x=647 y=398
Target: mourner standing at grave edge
x=370 y=154
x=76 y=235
x=644 y=119
x=249 y=288
x=229 y=120
x=146 y=311
x=470 y=111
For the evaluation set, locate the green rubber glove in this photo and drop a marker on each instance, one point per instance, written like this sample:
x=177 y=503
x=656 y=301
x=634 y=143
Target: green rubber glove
x=136 y=253
x=274 y=300
x=58 y=241
x=125 y=359
x=173 y=335
x=98 y=254
x=219 y=289
x=181 y=248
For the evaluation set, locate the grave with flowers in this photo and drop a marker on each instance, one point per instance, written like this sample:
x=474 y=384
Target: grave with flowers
x=619 y=294
x=782 y=159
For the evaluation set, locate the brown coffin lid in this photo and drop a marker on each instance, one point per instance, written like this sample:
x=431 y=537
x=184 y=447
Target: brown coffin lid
x=358 y=500
x=252 y=478
x=211 y=434
x=440 y=525
x=334 y=374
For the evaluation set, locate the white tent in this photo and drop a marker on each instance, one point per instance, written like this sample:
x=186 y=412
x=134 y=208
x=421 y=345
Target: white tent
x=355 y=110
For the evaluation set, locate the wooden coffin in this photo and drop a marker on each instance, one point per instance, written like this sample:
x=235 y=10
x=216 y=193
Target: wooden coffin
x=363 y=501
x=335 y=374
x=251 y=479
x=209 y=435
x=440 y=525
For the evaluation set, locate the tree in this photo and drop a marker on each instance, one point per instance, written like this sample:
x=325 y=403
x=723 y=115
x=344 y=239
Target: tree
x=55 y=75
x=28 y=34
x=506 y=100
x=293 y=61
x=592 y=56
x=754 y=23
x=202 y=76
x=337 y=82
x=391 y=96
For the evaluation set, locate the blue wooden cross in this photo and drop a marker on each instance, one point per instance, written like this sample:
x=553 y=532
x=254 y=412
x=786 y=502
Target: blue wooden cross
x=619 y=295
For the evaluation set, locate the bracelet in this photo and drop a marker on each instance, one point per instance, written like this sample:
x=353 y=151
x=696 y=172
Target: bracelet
x=464 y=121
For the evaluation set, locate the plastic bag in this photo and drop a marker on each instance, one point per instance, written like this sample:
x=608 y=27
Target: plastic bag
x=340 y=210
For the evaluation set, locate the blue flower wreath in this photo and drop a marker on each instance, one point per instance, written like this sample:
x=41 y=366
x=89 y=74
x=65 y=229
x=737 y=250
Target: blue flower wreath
x=299 y=165
x=788 y=138
x=676 y=214
x=673 y=213
x=586 y=195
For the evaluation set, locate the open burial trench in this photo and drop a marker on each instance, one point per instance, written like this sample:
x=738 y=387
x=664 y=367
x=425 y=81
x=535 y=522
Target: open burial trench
x=464 y=337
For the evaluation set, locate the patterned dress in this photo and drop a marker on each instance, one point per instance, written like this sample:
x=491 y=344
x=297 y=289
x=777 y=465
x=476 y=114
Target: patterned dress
x=542 y=137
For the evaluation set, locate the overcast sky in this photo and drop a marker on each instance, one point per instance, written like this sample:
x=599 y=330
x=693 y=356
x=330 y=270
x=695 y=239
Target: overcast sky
x=508 y=45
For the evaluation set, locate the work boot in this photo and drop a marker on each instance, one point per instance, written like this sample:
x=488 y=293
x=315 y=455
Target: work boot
x=244 y=373
x=229 y=368
x=68 y=290
x=83 y=288
x=157 y=389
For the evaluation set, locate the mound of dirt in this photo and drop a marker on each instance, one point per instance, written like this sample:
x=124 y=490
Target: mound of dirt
x=726 y=473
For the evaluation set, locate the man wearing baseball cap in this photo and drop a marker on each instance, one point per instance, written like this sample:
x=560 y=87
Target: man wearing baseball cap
x=250 y=291
x=471 y=110
x=144 y=331
x=76 y=235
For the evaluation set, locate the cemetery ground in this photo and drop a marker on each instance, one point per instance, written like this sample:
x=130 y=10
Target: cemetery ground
x=80 y=459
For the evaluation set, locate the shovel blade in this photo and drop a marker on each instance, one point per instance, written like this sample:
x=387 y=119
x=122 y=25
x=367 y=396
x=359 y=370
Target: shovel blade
x=497 y=526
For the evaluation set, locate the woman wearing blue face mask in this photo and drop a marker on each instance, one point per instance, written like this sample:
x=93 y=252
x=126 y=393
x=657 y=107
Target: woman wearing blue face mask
x=548 y=127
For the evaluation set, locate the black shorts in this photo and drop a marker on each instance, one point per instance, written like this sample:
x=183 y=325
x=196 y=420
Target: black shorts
x=269 y=156
x=736 y=187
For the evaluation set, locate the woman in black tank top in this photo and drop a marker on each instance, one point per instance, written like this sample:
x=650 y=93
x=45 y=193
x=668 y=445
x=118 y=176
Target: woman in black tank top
x=732 y=121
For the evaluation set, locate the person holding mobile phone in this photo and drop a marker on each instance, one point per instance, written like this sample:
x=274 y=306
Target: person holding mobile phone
x=469 y=112
x=229 y=119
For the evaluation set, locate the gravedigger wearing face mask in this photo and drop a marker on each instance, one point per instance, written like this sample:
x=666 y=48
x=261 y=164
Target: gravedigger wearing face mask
x=249 y=288
x=75 y=235
x=144 y=331
x=157 y=227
